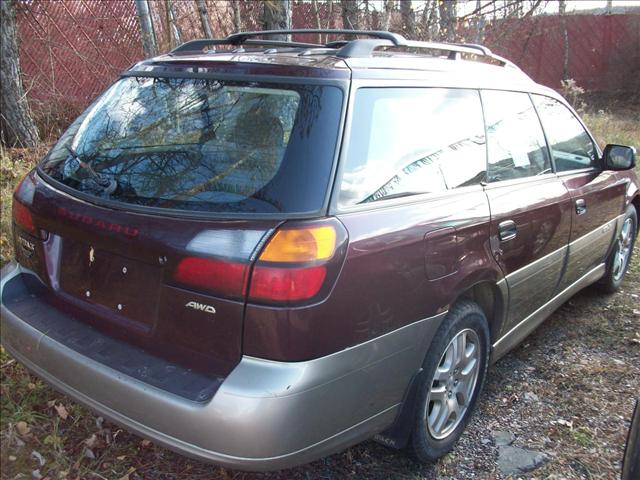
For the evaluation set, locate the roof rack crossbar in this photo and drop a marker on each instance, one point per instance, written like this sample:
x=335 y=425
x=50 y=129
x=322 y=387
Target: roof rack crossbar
x=198 y=45
x=395 y=38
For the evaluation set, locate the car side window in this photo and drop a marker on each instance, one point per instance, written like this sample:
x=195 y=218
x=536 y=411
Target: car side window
x=407 y=141
x=515 y=140
x=571 y=146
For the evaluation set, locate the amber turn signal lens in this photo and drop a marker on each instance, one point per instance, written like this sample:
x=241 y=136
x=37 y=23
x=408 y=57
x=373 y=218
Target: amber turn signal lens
x=300 y=245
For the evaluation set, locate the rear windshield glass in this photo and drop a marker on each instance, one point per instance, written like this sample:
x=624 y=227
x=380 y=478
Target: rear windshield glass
x=203 y=145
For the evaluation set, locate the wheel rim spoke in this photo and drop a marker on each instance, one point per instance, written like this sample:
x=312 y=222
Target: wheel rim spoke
x=621 y=257
x=453 y=384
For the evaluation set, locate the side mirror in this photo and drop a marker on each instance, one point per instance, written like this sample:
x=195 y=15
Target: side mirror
x=619 y=157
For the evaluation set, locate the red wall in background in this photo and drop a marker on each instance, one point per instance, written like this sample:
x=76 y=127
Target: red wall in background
x=72 y=49
x=604 y=50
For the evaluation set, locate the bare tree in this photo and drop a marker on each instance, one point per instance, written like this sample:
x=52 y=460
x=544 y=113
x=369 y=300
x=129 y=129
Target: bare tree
x=408 y=18
x=175 y=33
x=277 y=16
x=204 y=18
x=16 y=124
x=447 y=20
x=350 y=14
x=149 y=46
x=237 y=18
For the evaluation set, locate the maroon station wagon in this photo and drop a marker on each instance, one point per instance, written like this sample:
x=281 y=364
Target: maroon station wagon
x=258 y=252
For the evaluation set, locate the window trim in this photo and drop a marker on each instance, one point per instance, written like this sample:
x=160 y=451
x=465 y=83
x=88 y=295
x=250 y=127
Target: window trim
x=598 y=167
x=408 y=200
x=335 y=208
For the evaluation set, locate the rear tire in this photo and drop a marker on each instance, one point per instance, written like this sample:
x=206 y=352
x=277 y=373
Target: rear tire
x=454 y=373
x=620 y=257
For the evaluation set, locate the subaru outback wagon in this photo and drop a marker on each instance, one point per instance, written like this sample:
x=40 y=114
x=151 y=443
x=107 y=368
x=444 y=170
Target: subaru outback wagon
x=258 y=252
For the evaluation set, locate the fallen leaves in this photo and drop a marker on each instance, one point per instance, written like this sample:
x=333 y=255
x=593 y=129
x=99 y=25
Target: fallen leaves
x=126 y=475
x=23 y=429
x=61 y=411
x=38 y=456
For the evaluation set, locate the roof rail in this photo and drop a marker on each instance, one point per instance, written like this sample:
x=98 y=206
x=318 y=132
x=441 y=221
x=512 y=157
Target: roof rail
x=345 y=49
x=365 y=48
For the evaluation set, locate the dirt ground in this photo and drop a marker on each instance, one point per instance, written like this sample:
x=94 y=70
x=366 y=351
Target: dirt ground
x=567 y=392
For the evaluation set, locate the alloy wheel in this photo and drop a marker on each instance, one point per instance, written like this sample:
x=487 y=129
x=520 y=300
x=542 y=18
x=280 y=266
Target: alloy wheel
x=623 y=252
x=453 y=384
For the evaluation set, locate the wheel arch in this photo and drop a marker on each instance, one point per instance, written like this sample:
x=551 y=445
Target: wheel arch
x=492 y=298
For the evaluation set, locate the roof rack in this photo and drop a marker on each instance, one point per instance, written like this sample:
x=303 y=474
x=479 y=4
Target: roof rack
x=344 y=48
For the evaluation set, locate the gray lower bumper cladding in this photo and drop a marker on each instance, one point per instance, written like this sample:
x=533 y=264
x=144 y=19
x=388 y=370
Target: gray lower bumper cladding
x=265 y=415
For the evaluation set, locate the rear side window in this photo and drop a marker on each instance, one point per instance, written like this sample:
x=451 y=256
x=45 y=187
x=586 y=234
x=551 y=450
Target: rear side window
x=204 y=145
x=406 y=141
x=570 y=144
x=516 y=143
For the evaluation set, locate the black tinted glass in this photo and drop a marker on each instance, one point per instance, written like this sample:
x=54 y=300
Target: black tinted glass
x=406 y=141
x=516 y=143
x=206 y=145
x=571 y=146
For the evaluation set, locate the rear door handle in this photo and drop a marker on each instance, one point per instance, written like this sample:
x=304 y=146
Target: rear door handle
x=581 y=206
x=507 y=230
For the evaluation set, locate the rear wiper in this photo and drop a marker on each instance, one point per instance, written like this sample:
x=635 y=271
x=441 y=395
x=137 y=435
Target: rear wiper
x=107 y=184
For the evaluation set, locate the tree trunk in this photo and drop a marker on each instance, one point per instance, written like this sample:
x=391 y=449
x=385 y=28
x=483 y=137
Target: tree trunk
x=149 y=47
x=172 y=25
x=562 y=9
x=316 y=14
x=350 y=14
x=204 y=18
x=277 y=16
x=386 y=14
x=479 y=23
x=237 y=18
x=16 y=125
x=408 y=18
x=447 y=20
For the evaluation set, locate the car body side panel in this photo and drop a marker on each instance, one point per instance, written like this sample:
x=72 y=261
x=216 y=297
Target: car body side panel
x=384 y=284
x=532 y=261
x=592 y=233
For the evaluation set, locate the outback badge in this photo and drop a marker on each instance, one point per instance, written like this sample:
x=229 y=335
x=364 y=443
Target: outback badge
x=201 y=306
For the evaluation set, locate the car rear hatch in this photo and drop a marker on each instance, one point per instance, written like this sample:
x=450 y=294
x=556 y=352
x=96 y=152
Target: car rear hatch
x=146 y=217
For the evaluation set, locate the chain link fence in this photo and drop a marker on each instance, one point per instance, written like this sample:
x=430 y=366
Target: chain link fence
x=72 y=49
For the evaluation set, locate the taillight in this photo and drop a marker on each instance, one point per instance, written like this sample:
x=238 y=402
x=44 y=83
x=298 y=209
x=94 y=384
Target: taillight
x=301 y=245
x=22 y=217
x=286 y=284
x=23 y=196
x=297 y=263
x=215 y=276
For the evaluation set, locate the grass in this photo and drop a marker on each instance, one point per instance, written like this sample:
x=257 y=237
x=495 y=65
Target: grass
x=39 y=425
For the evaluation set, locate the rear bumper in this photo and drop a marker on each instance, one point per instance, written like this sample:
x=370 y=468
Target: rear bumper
x=265 y=415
